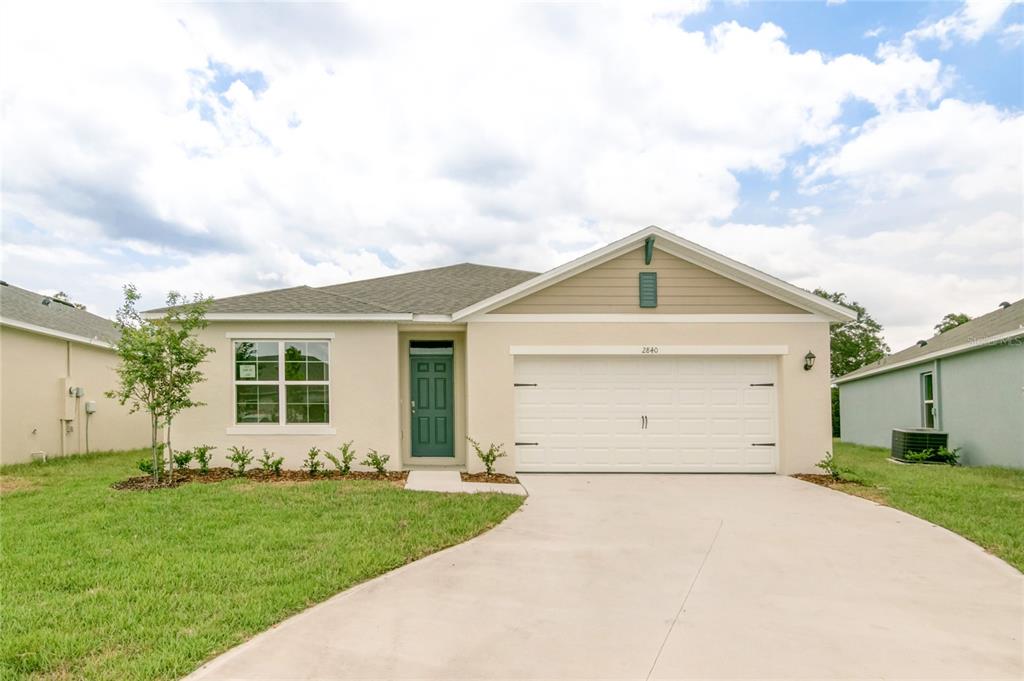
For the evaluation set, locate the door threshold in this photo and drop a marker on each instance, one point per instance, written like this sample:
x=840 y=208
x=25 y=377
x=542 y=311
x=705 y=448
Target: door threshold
x=420 y=466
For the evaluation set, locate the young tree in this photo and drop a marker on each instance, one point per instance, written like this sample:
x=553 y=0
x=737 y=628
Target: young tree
x=160 y=361
x=857 y=342
x=951 y=321
x=853 y=345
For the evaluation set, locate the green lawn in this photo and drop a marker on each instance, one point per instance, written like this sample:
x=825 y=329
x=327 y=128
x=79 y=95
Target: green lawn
x=985 y=505
x=101 y=584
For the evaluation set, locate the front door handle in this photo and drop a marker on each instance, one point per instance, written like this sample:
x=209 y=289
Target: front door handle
x=413 y=403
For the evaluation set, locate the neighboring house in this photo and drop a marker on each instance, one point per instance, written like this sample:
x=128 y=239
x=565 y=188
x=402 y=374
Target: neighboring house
x=56 y=361
x=650 y=354
x=968 y=382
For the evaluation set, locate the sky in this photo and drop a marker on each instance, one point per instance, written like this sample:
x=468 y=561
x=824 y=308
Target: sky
x=872 y=148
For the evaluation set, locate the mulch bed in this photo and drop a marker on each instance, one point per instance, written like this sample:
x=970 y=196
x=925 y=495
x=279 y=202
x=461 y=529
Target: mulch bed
x=500 y=478
x=819 y=479
x=181 y=477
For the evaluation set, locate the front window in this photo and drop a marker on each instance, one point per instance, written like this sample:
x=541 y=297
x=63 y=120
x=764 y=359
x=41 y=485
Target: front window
x=282 y=382
x=927 y=400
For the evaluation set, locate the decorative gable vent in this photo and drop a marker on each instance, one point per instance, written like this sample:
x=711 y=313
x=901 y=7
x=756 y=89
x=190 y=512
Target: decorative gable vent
x=648 y=289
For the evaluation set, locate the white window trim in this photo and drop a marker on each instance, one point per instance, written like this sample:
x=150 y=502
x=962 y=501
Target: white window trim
x=290 y=429
x=279 y=335
x=281 y=427
x=926 y=404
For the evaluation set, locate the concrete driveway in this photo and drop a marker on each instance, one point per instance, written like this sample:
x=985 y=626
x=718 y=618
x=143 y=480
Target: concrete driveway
x=667 y=577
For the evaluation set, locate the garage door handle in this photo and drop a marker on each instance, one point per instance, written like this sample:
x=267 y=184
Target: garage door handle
x=524 y=385
x=527 y=444
x=761 y=385
x=762 y=444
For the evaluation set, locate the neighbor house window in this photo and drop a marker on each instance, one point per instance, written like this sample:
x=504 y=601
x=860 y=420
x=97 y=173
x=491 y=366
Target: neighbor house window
x=282 y=382
x=927 y=400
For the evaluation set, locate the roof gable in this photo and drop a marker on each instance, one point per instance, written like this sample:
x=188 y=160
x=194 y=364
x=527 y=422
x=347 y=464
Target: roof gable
x=612 y=287
x=682 y=249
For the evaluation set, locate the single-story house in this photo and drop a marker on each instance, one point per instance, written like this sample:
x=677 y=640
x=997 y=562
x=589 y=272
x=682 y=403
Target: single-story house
x=56 y=361
x=651 y=354
x=967 y=382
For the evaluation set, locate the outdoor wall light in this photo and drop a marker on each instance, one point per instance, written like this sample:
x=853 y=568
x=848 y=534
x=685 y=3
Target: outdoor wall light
x=808 y=360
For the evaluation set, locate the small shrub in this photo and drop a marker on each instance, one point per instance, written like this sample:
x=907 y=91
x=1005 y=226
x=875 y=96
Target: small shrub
x=202 y=456
x=829 y=465
x=182 y=459
x=312 y=463
x=488 y=456
x=146 y=466
x=940 y=455
x=377 y=461
x=240 y=457
x=344 y=462
x=269 y=463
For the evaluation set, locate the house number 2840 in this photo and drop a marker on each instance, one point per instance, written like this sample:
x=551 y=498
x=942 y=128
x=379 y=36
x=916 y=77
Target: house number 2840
x=648 y=349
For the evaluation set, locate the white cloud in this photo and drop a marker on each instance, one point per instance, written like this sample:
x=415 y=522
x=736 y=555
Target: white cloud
x=804 y=213
x=969 y=23
x=835 y=2
x=520 y=135
x=874 y=32
x=1012 y=35
x=939 y=213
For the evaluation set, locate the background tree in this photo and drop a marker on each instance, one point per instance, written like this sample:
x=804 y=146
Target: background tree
x=160 y=361
x=853 y=344
x=951 y=321
x=65 y=298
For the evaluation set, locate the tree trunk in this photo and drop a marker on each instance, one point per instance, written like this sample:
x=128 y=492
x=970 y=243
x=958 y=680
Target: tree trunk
x=156 y=451
x=170 y=452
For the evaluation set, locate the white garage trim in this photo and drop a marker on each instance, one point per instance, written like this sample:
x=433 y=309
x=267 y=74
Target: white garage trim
x=649 y=318
x=653 y=349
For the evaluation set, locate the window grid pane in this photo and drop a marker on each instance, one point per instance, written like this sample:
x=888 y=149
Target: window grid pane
x=307 y=404
x=257 y=404
x=256 y=361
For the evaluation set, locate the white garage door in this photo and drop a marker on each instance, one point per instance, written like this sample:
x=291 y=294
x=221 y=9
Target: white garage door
x=641 y=413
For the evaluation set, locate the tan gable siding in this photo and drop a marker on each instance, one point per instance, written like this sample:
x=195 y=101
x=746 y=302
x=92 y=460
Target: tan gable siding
x=683 y=288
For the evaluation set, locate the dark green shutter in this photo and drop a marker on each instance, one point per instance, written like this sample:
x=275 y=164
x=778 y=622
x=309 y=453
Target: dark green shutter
x=648 y=289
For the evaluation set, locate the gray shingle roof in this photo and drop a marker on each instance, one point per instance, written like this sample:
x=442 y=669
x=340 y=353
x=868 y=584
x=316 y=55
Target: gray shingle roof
x=21 y=305
x=994 y=323
x=442 y=290
x=295 y=300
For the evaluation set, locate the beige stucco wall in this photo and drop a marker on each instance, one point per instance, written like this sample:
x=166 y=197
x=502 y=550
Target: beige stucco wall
x=683 y=288
x=39 y=419
x=803 y=396
x=364 y=383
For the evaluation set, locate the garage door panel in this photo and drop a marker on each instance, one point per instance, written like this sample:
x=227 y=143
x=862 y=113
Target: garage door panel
x=758 y=428
x=695 y=397
x=724 y=397
x=586 y=413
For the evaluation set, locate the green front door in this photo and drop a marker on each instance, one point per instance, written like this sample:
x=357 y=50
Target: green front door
x=431 y=405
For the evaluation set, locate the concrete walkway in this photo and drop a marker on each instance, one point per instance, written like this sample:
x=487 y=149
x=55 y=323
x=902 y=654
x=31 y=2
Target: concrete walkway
x=451 y=481
x=668 y=577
